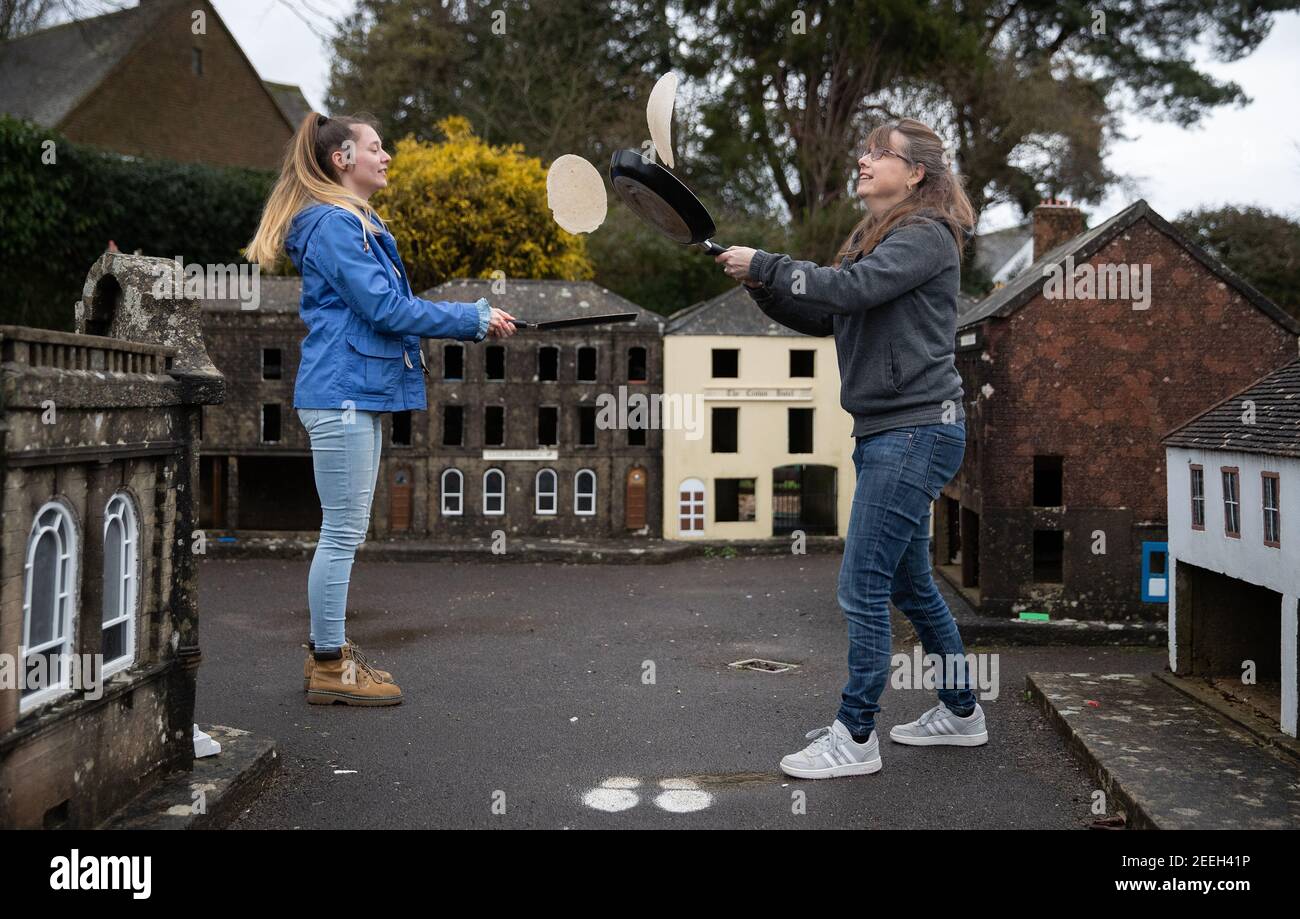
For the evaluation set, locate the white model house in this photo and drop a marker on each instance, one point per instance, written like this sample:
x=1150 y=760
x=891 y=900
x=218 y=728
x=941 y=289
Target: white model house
x=1234 y=544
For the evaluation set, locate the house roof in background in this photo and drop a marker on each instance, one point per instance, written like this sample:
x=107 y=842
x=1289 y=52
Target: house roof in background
x=45 y=75
x=544 y=300
x=732 y=312
x=1029 y=283
x=277 y=293
x=1276 y=427
x=995 y=252
x=293 y=104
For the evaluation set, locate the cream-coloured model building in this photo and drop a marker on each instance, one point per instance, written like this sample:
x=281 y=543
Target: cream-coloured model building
x=771 y=451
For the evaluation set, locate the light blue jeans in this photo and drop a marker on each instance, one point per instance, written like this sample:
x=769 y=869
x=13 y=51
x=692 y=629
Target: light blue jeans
x=345 y=449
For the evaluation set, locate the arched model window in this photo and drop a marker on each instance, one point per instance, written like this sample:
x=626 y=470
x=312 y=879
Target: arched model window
x=690 y=508
x=453 y=493
x=494 y=493
x=49 y=607
x=121 y=581
x=546 y=489
x=584 y=493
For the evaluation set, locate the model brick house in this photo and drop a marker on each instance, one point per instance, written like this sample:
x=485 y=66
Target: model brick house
x=1068 y=393
x=514 y=434
x=255 y=467
x=509 y=441
x=98 y=438
x=206 y=103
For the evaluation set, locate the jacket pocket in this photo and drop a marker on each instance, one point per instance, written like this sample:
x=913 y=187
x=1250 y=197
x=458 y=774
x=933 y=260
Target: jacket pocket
x=378 y=360
x=895 y=370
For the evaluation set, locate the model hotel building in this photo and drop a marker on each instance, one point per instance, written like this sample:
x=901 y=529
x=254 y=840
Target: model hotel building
x=774 y=452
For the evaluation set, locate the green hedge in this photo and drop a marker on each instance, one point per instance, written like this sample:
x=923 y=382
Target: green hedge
x=56 y=219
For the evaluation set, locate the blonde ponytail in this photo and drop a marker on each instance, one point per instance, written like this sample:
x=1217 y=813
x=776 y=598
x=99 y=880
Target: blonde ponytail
x=307 y=178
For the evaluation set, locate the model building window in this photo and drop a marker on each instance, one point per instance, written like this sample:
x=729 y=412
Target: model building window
x=548 y=425
x=545 y=487
x=586 y=364
x=548 y=364
x=636 y=436
x=453 y=493
x=586 y=425
x=726 y=362
x=494 y=493
x=584 y=493
x=271 y=423
x=733 y=500
x=1198 y=498
x=196 y=61
x=726 y=422
x=453 y=362
x=1049 y=550
x=494 y=425
x=271 y=369
x=690 y=506
x=453 y=425
x=802 y=362
x=121 y=555
x=495 y=362
x=1272 y=510
x=1048 y=481
x=799 y=424
x=49 y=613
x=402 y=429
x=1231 y=501
x=636 y=365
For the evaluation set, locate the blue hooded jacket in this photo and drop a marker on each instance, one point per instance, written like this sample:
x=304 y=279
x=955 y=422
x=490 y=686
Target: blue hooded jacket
x=364 y=324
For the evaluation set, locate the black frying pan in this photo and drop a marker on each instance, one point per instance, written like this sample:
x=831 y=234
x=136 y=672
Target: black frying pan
x=576 y=320
x=660 y=199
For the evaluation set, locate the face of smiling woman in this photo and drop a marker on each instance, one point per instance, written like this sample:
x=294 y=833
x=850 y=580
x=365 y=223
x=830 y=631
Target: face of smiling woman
x=368 y=171
x=884 y=182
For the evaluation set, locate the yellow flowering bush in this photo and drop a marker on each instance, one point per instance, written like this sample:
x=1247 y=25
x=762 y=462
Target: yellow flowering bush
x=461 y=208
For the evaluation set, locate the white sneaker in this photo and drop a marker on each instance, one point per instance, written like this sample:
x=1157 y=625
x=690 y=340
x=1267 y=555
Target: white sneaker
x=940 y=726
x=833 y=753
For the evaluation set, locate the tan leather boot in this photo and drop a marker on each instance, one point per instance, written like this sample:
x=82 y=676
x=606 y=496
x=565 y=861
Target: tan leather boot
x=349 y=680
x=384 y=675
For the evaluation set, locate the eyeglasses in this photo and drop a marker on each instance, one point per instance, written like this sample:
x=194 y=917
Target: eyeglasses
x=877 y=153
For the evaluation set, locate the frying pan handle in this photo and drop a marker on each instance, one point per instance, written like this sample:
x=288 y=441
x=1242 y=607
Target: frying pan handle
x=712 y=248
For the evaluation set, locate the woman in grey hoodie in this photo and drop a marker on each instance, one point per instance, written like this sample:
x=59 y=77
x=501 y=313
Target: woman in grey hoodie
x=892 y=306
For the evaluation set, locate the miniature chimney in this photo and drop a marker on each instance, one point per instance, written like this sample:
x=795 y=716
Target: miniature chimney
x=1055 y=222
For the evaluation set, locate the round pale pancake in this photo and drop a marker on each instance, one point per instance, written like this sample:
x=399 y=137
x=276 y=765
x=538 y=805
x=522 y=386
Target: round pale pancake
x=575 y=194
x=659 y=116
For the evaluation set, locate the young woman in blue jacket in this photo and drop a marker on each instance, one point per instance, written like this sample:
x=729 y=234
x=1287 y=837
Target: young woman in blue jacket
x=364 y=326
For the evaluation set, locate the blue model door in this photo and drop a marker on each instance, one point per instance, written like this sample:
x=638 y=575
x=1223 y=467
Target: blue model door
x=1155 y=572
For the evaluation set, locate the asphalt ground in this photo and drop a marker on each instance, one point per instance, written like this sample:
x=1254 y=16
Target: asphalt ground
x=529 y=702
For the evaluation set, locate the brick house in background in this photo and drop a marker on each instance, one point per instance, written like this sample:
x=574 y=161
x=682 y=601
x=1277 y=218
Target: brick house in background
x=255 y=466
x=205 y=101
x=514 y=419
x=511 y=438
x=1067 y=401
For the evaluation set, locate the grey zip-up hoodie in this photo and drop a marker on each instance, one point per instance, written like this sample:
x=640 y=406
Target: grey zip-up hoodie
x=893 y=313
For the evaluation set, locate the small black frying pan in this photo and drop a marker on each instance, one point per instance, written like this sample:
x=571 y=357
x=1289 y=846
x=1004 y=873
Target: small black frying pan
x=576 y=320
x=660 y=199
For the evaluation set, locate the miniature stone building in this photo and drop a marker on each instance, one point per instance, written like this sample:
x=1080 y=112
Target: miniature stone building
x=98 y=458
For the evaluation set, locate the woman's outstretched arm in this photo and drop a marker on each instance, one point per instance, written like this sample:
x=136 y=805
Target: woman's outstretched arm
x=336 y=251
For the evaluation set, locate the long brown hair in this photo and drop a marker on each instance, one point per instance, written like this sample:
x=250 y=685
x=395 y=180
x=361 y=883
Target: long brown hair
x=940 y=191
x=307 y=177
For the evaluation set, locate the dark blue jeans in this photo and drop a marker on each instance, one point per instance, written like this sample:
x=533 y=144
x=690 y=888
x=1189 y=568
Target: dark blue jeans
x=887 y=556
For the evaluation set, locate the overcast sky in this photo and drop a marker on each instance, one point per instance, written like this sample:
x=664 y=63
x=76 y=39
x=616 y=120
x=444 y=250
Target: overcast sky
x=1247 y=155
